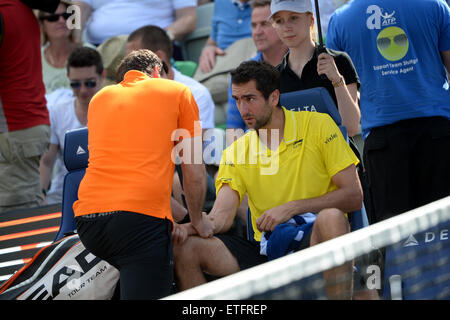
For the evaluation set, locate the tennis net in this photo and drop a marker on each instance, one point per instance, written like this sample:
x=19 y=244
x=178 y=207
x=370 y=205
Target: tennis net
x=405 y=257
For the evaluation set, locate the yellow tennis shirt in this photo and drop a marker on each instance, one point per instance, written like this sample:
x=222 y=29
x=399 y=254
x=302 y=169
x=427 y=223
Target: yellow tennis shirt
x=312 y=151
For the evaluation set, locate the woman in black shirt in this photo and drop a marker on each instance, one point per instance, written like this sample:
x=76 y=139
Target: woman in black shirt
x=302 y=65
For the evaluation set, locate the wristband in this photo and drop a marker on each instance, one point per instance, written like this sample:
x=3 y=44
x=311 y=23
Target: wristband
x=338 y=83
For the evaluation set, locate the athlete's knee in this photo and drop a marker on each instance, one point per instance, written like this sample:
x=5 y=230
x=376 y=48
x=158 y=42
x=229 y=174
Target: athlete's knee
x=189 y=250
x=330 y=223
x=331 y=216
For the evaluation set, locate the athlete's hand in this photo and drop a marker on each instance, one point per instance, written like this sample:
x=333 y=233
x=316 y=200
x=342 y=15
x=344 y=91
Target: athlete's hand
x=271 y=218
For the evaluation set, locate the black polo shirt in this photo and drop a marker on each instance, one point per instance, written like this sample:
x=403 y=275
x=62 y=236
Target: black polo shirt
x=289 y=81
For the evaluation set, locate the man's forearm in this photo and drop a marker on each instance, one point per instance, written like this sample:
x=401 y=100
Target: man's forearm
x=194 y=186
x=224 y=209
x=344 y=200
x=45 y=173
x=185 y=23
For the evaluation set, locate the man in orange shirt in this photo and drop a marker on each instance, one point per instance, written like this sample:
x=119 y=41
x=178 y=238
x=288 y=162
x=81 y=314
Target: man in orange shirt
x=123 y=214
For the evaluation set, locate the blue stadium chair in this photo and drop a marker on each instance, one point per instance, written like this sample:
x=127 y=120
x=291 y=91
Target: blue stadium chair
x=418 y=267
x=358 y=219
x=76 y=156
x=315 y=100
x=192 y=45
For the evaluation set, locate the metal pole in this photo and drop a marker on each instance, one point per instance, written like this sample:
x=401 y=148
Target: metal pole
x=319 y=27
x=321 y=47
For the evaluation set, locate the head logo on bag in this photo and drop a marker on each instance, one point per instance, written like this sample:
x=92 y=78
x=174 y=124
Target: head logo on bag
x=64 y=270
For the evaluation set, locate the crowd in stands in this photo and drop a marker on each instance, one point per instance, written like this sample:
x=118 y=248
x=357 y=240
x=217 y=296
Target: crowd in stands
x=385 y=70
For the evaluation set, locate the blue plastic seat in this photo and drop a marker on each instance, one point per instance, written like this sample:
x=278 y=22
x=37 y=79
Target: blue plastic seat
x=76 y=156
x=315 y=100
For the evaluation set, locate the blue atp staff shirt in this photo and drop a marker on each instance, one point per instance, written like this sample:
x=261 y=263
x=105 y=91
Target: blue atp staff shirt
x=395 y=47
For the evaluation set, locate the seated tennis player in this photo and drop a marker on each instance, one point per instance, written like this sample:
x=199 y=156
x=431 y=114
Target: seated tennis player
x=294 y=166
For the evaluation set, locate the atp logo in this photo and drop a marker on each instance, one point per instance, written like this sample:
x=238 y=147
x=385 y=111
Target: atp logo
x=378 y=18
x=392 y=41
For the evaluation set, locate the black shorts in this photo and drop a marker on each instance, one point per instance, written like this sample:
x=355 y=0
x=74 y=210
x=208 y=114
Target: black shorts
x=138 y=245
x=247 y=253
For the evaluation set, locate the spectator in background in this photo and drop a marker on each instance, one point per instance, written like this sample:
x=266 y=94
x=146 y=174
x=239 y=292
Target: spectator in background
x=58 y=41
x=401 y=59
x=303 y=65
x=24 y=120
x=102 y=20
x=230 y=22
x=85 y=73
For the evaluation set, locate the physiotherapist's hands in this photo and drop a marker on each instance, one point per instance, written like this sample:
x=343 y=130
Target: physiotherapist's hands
x=272 y=217
x=204 y=226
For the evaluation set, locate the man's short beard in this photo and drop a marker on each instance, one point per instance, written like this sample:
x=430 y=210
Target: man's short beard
x=260 y=123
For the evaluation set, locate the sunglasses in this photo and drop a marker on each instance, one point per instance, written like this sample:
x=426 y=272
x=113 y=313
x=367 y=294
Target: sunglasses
x=87 y=83
x=400 y=40
x=55 y=17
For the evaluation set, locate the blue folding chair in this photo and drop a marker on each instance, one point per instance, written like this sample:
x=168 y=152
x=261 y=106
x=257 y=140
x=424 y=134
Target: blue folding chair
x=315 y=100
x=76 y=156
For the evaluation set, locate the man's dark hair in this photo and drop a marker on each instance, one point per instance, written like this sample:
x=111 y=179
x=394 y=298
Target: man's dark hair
x=266 y=76
x=153 y=38
x=85 y=57
x=142 y=60
x=259 y=3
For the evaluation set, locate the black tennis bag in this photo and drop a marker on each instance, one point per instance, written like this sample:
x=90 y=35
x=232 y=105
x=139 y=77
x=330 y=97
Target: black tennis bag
x=63 y=270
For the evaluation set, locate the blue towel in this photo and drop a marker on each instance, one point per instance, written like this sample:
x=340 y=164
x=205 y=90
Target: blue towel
x=286 y=237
